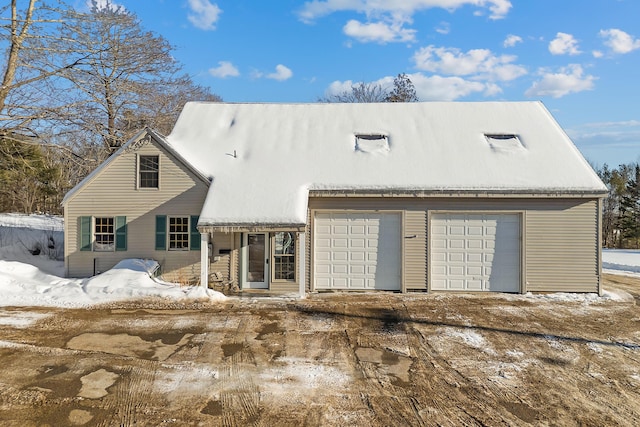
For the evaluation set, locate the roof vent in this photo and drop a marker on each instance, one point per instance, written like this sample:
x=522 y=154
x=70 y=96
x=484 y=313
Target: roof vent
x=372 y=143
x=503 y=142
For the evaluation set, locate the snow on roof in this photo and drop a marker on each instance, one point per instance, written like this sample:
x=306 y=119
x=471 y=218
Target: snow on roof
x=265 y=158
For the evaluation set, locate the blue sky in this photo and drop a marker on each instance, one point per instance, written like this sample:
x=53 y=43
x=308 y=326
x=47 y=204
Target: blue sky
x=580 y=58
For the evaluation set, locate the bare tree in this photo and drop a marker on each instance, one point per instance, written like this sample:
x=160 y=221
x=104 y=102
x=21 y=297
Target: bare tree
x=403 y=90
x=127 y=64
x=36 y=55
x=361 y=92
x=160 y=108
x=82 y=83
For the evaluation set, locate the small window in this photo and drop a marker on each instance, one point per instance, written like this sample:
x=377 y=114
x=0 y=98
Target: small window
x=179 y=233
x=372 y=143
x=503 y=142
x=148 y=171
x=284 y=262
x=104 y=234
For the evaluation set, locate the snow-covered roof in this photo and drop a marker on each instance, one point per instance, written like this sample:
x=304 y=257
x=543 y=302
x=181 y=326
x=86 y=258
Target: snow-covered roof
x=265 y=158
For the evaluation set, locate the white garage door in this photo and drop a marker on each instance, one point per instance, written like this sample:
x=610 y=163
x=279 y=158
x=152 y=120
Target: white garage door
x=357 y=251
x=474 y=252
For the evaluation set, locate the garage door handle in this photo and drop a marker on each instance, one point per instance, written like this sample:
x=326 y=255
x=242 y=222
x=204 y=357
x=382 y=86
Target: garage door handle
x=411 y=237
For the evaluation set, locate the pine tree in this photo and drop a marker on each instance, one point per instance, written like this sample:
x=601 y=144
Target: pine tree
x=630 y=209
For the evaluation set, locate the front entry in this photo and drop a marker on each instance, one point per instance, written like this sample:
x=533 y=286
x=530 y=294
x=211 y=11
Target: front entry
x=255 y=260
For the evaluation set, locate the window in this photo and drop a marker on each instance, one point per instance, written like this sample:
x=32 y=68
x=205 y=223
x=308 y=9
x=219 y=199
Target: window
x=372 y=143
x=504 y=142
x=284 y=256
x=179 y=233
x=148 y=171
x=104 y=236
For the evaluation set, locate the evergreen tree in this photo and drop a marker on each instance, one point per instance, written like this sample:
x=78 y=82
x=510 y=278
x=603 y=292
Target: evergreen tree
x=630 y=209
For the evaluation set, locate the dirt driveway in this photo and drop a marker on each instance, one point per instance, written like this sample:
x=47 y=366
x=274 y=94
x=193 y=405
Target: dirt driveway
x=333 y=359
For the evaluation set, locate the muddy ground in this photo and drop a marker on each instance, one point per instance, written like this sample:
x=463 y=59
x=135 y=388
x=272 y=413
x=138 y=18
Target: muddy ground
x=332 y=359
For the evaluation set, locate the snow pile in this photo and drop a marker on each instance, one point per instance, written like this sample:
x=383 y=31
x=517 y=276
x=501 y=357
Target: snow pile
x=26 y=285
x=34 y=279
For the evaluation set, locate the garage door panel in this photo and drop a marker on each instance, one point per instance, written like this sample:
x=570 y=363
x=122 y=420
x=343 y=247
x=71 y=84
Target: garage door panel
x=361 y=250
x=482 y=252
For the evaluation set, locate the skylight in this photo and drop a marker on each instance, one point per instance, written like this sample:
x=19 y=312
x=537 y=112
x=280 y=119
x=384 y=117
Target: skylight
x=503 y=141
x=372 y=143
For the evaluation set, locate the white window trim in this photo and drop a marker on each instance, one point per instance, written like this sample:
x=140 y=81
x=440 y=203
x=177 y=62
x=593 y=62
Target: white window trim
x=138 y=187
x=93 y=234
x=188 y=247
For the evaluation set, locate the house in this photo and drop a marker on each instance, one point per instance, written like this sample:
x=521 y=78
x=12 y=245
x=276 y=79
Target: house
x=438 y=196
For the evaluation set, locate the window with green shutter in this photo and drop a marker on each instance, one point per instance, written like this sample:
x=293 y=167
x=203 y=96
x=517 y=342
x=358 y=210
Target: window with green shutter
x=121 y=233
x=161 y=232
x=195 y=234
x=85 y=233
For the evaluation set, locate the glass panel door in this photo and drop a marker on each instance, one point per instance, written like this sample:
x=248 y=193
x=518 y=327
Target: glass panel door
x=256 y=267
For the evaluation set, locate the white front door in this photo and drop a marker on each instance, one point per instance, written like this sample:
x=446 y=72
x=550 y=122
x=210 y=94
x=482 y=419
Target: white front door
x=255 y=260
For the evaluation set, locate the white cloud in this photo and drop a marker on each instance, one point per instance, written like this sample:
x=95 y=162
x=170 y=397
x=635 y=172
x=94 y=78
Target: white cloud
x=282 y=73
x=443 y=28
x=379 y=32
x=438 y=88
x=597 y=54
x=619 y=41
x=479 y=62
x=570 y=79
x=224 y=69
x=428 y=88
x=389 y=17
x=512 y=40
x=317 y=8
x=106 y=5
x=205 y=14
x=564 y=44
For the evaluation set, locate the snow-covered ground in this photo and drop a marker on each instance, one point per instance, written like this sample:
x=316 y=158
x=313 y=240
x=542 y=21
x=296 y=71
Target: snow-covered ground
x=32 y=266
x=32 y=270
x=621 y=261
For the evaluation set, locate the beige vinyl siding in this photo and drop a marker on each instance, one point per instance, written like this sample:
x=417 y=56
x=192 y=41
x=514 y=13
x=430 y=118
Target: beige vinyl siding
x=415 y=249
x=113 y=192
x=562 y=252
x=561 y=235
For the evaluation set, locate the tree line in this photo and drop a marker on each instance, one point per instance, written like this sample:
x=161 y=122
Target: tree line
x=621 y=207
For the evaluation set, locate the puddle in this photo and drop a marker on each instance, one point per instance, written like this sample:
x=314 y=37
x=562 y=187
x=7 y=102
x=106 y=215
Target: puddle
x=130 y=345
x=79 y=417
x=269 y=328
x=392 y=364
x=522 y=411
x=51 y=370
x=231 y=348
x=95 y=384
x=214 y=407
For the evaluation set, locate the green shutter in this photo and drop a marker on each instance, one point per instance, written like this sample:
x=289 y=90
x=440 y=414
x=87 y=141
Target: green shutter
x=161 y=232
x=194 y=238
x=121 y=233
x=85 y=233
